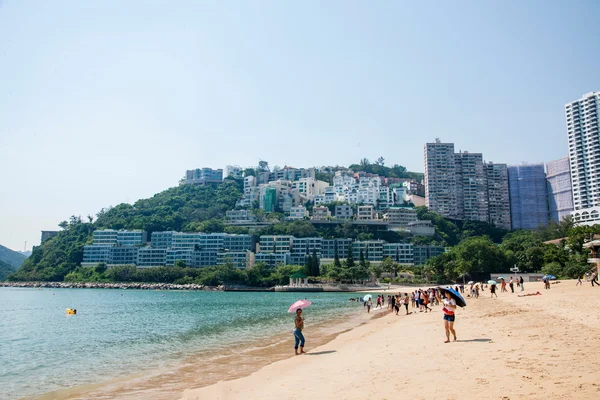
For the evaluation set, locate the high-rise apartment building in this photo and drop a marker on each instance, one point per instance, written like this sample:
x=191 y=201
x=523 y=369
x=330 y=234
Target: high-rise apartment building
x=471 y=188
x=528 y=196
x=461 y=186
x=498 y=197
x=584 y=156
x=560 y=193
x=440 y=179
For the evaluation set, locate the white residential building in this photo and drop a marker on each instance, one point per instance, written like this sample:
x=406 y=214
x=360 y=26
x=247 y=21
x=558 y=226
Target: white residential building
x=365 y=213
x=584 y=148
x=320 y=212
x=440 y=179
x=298 y=212
x=344 y=211
x=401 y=216
x=234 y=171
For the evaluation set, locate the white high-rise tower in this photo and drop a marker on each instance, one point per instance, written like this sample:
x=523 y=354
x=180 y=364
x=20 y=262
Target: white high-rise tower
x=584 y=156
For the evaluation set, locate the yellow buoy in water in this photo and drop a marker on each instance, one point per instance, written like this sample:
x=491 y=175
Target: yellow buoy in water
x=71 y=311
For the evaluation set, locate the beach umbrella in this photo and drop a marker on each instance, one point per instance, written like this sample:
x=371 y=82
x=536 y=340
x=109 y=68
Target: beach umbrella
x=491 y=282
x=456 y=296
x=299 y=304
x=470 y=283
x=367 y=297
x=500 y=277
x=551 y=277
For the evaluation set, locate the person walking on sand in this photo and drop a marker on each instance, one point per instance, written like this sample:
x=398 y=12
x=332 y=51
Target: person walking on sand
x=298 y=336
x=369 y=305
x=512 y=285
x=493 y=290
x=594 y=279
x=503 y=288
x=449 y=317
x=406 y=300
x=579 y=281
x=425 y=299
x=521 y=282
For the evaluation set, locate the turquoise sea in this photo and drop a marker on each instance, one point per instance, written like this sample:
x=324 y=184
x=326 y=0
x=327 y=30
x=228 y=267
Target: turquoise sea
x=119 y=333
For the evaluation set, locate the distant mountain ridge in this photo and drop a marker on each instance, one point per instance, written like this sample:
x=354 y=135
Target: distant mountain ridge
x=6 y=270
x=11 y=257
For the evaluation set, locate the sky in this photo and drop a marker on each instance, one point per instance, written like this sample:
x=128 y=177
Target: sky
x=105 y=102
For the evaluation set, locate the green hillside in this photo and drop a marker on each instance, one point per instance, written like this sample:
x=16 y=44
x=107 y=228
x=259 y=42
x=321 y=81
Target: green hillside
x=11 y=257
x=181 y=208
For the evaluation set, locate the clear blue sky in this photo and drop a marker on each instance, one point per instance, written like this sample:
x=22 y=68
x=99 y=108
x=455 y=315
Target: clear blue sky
x=103 y=102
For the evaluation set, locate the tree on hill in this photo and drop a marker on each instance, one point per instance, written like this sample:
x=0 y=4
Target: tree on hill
x=378 y=167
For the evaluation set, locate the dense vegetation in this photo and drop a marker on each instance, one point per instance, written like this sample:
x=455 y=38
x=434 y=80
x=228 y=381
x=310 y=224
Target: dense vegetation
x=379 y=168
x=476 y=256
x=11 y=257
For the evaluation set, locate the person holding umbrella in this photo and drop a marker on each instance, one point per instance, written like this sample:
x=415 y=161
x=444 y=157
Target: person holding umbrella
x=298 y=336
x=299 y=324
x=449 y=317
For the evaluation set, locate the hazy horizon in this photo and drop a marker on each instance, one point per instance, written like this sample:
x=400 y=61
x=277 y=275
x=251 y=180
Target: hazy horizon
x=108 y=102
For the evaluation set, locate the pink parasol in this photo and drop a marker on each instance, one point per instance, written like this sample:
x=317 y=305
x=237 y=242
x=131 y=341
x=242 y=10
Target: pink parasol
x=299 y=304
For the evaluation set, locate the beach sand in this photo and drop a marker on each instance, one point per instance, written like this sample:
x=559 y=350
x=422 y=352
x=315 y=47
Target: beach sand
x=539 y=347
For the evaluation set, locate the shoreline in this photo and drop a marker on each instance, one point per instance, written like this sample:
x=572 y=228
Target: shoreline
x=190 y=286
x=510 y=347
x=195 y=287
x=206 y=368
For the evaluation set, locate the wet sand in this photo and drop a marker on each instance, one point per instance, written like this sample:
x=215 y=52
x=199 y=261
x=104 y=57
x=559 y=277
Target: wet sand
x=538 y=347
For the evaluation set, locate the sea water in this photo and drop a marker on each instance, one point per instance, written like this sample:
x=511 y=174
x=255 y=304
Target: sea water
x=117 y=333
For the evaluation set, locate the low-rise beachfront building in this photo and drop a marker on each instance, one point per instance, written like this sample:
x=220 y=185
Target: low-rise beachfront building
x=275 y=244
x=123 y=255
x=152 y=257
x=161 y=240
x=273 y=259
x=95 y=254
x=107 y=237
x=131 y=238
x=329 y=246
x=239 y=259
x=423 y=253
x=402 y=253
x=372 y=250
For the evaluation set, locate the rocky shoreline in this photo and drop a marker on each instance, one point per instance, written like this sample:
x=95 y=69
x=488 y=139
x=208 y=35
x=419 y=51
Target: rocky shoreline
x=107 y=285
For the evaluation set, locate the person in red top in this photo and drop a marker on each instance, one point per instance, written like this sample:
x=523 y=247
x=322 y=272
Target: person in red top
x=448 y=309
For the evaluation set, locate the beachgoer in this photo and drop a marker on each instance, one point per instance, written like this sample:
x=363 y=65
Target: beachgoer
x=512 y=285
x=425 y=299
x=594 y=279
x=579 y=281
x=503 y=288
x=369 y=305
x=449 y=317
x=521 y=282
x=493 y=290
x=298 y=336
x=406 y=300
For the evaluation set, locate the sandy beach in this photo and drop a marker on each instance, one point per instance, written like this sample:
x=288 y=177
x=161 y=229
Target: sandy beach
x=510 y=347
